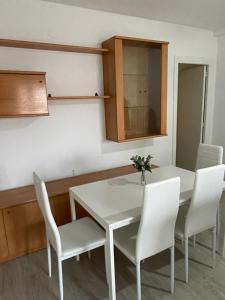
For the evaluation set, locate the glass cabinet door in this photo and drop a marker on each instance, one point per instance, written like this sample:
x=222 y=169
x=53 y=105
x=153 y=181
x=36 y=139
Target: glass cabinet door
x=142 y=89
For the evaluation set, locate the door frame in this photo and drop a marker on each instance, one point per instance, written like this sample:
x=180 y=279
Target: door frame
x=209 y=105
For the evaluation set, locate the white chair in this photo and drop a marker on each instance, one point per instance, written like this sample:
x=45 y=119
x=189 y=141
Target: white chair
x=208 y=156
x=202 y=211
x=156 y=230
x=67 y=240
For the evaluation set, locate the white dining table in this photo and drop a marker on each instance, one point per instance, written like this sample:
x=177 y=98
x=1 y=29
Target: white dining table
x=117 y=202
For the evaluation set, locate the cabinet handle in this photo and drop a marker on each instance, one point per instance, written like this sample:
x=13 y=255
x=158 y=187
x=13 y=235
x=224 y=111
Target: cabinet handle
x=8 y=212
x=139 y=92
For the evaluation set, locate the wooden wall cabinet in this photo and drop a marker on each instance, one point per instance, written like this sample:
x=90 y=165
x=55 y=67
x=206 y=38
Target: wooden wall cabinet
x=22 y=94
x=135 y=77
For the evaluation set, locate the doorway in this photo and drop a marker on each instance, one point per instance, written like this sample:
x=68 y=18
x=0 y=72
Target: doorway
x=191 y=113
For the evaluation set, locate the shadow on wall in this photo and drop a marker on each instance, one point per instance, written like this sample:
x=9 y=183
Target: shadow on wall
x=8 y=124
x=109 y=146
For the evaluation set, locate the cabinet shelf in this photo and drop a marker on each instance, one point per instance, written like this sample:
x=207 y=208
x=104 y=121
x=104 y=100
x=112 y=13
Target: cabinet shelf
x=76 y=97
x=50 y=46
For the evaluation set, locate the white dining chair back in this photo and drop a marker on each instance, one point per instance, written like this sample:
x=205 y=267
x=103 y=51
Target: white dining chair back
x=51 y=227
x=205 y=200
x=201 y=214
x=156 y=230
x=159 y=213
x=208 y=156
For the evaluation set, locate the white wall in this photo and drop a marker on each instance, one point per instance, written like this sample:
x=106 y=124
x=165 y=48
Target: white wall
x=74 y=135
x=219 y=111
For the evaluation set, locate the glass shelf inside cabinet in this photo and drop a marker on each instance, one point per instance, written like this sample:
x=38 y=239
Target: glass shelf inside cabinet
x=142 y=90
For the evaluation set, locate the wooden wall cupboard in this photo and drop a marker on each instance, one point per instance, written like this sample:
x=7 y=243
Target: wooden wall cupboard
x=135 y=76
x=22 y=94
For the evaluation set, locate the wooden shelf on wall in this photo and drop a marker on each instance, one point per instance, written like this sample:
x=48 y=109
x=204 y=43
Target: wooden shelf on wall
x=50 y=46
x=77 y=97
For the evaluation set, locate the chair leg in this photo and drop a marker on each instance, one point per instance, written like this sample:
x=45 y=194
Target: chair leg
x=186 y=259
x=89 y=254
x=214 y=233
x=106 y=266
x=49 y=259
x=218 y=221
x=172 y=269
x=182 y=242
x=218 y=227
x=60 y=279
x=194 y=240
x=138 y=274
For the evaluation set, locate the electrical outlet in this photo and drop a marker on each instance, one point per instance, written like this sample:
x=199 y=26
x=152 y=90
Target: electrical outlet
x=73 y=172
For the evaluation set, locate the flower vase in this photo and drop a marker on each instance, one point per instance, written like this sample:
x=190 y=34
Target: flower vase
x=143 y=179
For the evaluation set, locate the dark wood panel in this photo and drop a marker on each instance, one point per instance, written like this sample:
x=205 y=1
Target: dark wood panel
x=25 y=229
x=3 y=241
x=164 y=80
x=22 y=94
x=61 y=208
x=50 y=46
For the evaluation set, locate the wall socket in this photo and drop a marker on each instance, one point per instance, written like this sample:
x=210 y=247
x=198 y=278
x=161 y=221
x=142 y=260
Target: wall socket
x=73 y=172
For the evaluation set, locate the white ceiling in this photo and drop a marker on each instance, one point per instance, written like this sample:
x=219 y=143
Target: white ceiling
x=208 y=14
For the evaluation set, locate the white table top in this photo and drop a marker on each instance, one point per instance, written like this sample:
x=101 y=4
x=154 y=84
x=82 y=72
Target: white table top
x=117 y=202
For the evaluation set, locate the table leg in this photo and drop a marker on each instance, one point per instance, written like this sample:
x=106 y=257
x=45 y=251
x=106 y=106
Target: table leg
x=110 y=264
x=72 y=206
x=73 y=213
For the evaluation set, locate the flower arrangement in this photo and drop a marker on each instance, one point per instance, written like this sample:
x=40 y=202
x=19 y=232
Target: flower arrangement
x=142 y=164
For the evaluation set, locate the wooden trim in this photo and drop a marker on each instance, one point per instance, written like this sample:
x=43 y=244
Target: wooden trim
x=77 y=97
x=164 y=78
x=119 y=89
x=23 y=115
x=22 y=72
x=50 y=46
x=143 y=138
x=140 y=40
x=109 y=81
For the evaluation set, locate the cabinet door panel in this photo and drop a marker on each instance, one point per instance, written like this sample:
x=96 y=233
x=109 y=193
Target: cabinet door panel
x=145 y=90
x=22 y=94
x=25 y=229
x=61 y=208
x=132 y=90
x=3 y=240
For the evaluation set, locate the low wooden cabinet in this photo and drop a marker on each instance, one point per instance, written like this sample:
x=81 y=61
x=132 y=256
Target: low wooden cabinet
x=135 y=77
x=25 y=229
x=22 y=228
